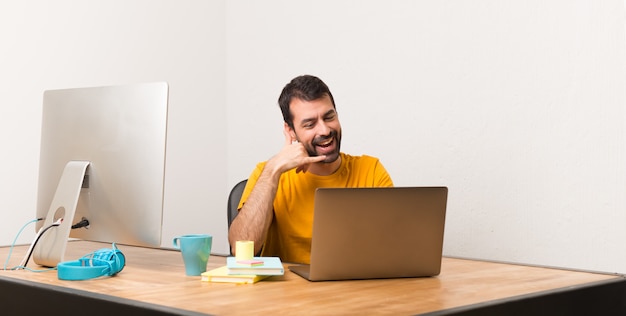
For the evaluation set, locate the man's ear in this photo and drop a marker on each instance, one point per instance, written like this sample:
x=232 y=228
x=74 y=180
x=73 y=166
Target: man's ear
x=290 y=131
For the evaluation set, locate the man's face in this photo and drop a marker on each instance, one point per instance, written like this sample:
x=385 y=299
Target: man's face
x=316 y=126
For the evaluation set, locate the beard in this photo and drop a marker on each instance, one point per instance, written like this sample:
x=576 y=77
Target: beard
x=331 y=156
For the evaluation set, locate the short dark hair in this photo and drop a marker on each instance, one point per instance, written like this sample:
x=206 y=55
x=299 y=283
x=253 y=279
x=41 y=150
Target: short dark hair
x=306 y=88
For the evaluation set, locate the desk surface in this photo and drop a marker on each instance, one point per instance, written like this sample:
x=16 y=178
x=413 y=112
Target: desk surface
x=156 y=276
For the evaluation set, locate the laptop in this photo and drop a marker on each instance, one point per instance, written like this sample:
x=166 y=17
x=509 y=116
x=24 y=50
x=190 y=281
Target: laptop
x=374 y=233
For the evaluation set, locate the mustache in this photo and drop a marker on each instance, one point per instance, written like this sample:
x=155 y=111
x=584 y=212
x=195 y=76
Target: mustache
x=322 y=139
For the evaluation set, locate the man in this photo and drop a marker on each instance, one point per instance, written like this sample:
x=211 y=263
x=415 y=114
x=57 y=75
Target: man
x=276 y=208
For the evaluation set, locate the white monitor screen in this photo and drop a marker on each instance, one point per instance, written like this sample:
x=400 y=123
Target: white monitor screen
x=121 y=132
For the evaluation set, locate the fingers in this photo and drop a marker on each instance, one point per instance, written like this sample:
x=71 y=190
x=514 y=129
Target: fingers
x=307 y=162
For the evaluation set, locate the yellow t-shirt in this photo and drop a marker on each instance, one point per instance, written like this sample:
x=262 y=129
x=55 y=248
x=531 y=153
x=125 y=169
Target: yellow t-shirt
x=289 y=235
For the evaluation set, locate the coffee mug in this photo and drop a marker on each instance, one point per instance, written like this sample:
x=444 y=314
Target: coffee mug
x=195 y=249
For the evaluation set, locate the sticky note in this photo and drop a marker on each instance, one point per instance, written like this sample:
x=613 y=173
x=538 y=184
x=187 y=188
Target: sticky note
x=244 y=250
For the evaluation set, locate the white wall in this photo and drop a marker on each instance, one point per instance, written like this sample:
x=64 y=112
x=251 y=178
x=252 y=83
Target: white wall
x=517 y=106
x=74 y=43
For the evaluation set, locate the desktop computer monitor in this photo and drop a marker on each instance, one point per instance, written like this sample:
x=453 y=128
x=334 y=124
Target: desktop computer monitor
x=102 y=159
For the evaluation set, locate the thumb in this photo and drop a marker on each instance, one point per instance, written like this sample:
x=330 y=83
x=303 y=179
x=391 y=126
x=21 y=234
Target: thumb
x=315 y=159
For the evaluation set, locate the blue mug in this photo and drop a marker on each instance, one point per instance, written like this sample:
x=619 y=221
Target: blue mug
x=195 y=249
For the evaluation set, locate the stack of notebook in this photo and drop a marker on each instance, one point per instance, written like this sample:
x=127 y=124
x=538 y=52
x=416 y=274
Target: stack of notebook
x=245 y=271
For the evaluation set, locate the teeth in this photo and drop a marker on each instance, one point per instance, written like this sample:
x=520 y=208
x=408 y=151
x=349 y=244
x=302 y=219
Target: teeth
x=326 y=143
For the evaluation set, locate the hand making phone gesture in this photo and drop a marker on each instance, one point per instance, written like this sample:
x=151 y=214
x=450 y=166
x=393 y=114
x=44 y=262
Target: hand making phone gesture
x=293 y=155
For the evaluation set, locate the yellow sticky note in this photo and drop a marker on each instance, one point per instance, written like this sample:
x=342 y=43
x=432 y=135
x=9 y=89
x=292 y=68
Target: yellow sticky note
x=244 y=250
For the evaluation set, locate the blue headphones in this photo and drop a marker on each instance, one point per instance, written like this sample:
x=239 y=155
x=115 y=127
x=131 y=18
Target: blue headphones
x=103 y=262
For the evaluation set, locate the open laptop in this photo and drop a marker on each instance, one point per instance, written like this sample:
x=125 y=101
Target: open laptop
x=370 y=233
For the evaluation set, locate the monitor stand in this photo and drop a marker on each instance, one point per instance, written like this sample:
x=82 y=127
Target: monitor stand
x=50 y=248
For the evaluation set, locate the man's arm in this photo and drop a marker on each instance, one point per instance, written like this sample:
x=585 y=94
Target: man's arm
x=256 y=214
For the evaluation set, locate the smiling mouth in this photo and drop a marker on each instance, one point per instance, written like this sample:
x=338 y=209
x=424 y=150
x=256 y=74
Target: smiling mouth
x=325 y=143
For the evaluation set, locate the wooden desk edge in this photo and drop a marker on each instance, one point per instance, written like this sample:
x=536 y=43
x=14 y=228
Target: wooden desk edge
x=616 y=274
x=602 y=297
x=67 y=301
